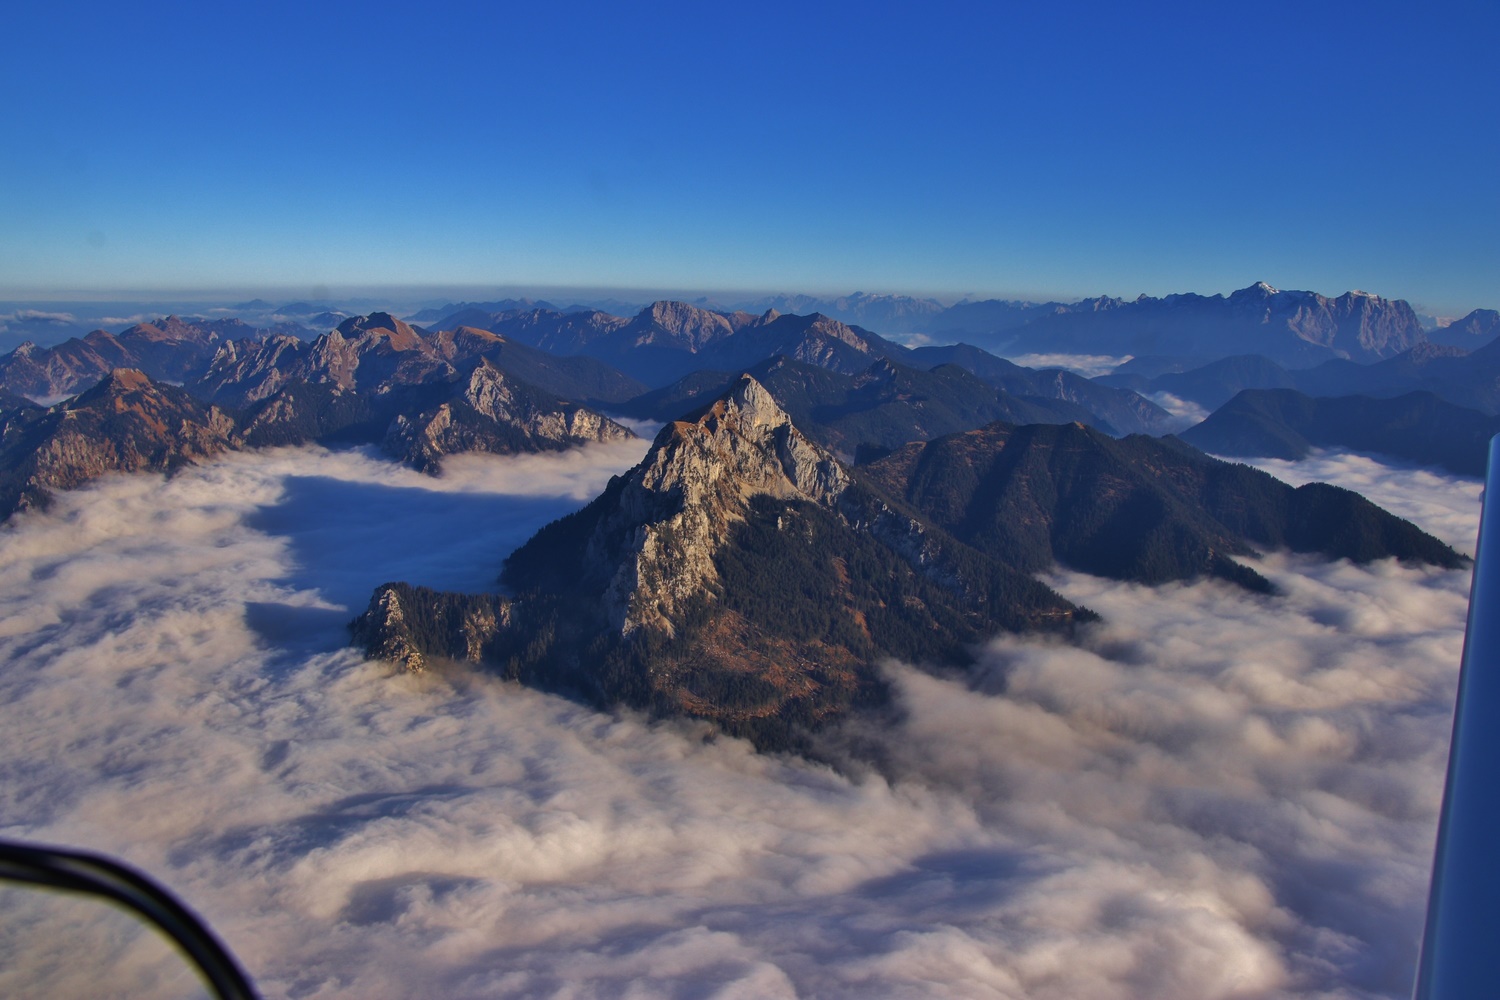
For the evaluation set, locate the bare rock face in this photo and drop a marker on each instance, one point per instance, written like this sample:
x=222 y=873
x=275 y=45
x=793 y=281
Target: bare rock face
x=125 y=423
x=677 y=506
x=678 y=324
x=816 y=340
x=366 y=353
x=407 y=625
x=389 y=633
x=1357 y=324
x=247 y=371
x=375 y=379
x=492 y=412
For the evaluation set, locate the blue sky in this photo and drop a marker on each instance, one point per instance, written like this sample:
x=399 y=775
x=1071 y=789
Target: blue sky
x=949 y=149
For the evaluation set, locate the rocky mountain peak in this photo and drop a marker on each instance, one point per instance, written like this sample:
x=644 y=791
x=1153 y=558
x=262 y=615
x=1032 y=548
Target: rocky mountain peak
x=171 y=329
x=693 y=327
x=673 y=314
x=401 y=334
x=97 y=338
x=1258 y=292
x=119 y=382
x=742 y=444
x=489 y=392
x=491 y=411
x=837 y=330
x=677 y=508
x=1473 y=331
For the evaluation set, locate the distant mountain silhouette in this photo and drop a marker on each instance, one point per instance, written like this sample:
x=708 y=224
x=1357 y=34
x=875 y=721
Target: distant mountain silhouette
x=1283 y=423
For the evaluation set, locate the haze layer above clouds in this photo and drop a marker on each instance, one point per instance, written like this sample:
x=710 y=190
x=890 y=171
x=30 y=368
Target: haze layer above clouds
x=1215 y=795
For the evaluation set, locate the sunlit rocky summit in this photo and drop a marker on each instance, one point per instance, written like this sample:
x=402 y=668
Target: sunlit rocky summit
x=124 y=423
x=743 y=575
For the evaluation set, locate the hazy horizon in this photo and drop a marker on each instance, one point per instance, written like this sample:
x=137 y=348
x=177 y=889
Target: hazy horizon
x=419 y=296
x=119 y=310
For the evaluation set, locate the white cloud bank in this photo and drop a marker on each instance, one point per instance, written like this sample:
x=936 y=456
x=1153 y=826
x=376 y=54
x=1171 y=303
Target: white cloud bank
x=1087 y=365
x=1184 y=412
x=1217 y=795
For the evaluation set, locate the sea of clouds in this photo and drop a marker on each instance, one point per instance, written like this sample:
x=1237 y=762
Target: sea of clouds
x=1214 y=795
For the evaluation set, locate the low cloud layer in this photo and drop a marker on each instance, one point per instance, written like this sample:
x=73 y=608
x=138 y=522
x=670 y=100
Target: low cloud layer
x=1185 y=413
x=1214 y=795
x=1087 y=365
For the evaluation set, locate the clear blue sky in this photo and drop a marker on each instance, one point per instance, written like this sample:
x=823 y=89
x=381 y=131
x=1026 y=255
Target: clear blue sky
x=1038 y=149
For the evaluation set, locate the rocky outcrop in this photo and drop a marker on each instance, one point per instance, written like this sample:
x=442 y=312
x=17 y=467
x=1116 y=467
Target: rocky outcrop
x=491 y=412
x=365 y=353
x=125 y=423
x=740 y=574
x=816 y=340
x=246 y=371
x=380 y=355
x=677 y=324
x=405 y=625
x=577 y=377
x=1356 y=324
x=676 y=509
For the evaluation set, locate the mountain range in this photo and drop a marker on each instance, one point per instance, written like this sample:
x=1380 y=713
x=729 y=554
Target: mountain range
x=1296 y=328
x=1462 y=377
x=889 y=404
x=129 y=422
x=1284 y=423
x=423 y=394
x=742 y=575
x=819 y=498
x=1435 y=404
